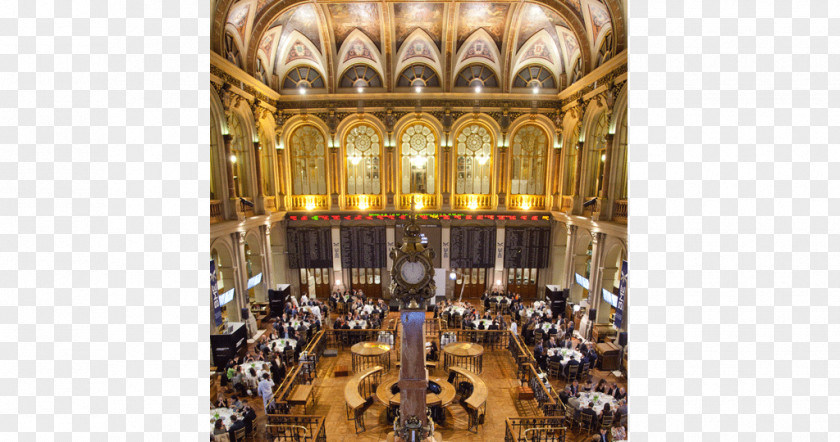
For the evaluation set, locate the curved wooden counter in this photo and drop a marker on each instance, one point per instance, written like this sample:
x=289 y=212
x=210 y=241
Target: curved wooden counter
x=370 y=353
x=355 y=399
x=446 y=396
x=477 y=401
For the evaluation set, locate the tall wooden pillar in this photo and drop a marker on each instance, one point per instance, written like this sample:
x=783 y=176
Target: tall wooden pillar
x=413 y=379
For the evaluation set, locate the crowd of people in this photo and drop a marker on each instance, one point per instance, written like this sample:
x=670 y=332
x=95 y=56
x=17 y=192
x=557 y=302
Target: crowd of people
x=360 y=312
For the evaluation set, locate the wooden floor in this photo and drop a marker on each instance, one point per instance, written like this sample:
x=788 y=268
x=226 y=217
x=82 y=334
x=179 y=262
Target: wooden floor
x=498 y=374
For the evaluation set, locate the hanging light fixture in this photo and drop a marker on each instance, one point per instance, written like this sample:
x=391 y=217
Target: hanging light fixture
x=355 y=159
x=482 y=159
x=233 y=158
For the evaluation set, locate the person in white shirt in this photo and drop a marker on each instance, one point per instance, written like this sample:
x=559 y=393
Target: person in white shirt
x=304 y=299
x=513 y=328
x=264 y=389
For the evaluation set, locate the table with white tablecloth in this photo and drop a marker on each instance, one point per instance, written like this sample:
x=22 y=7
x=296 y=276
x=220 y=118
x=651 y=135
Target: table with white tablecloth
x=279 y=344
x=360 y=322
x=600 y=399
x=220 y=413
x=485 y=322
x=565 y=354
x=453 y=309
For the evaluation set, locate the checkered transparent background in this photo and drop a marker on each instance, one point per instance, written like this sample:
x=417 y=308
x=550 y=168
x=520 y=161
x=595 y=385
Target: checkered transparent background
x=733 y=143
x=104 y=221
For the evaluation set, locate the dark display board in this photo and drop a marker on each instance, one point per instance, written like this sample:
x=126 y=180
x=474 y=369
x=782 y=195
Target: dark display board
x=227 y=345
x=472 y=247
x=309 y=247
x=430 y=231
x=363 y=247
x=527 y=247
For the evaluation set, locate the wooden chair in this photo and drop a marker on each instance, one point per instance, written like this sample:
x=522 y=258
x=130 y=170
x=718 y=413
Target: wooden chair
x=289 y=356
x=538 y=335
x=583 y=372
x=606 y=422
x=572 y=373
x=585 y=422
x=239 y=435
x=554 y=369
x=570 y=418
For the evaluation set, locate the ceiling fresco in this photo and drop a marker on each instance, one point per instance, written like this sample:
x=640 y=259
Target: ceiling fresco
x=349 y=16
x=425 y=16
x=488 y=16
x=333 y=36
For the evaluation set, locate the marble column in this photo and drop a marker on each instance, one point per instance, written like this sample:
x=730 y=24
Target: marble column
x=605 y=202
x=595 y=272
x=268 y=261
x=577 y=199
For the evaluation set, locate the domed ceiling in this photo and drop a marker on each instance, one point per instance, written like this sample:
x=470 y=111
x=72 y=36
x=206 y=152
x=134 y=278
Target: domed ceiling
x=334 y=47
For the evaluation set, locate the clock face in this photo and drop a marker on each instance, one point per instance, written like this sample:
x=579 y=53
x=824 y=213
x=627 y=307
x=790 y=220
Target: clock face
x=412 y=272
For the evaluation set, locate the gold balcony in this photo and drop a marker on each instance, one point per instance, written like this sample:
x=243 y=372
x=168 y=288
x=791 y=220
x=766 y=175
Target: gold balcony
x=566 y=203
x=362 y=202
x=526 y=202
x=309 y=202
x=620 y=211
x=425 y=200
x=270 y=204
x=216 y=213
x=472 y=202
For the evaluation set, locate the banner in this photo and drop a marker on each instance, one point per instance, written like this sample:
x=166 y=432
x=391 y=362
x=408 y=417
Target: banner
x=214 y=291
x=622 y=293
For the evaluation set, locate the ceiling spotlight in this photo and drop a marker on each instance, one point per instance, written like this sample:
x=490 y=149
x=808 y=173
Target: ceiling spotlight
x=452 y=275
x=604 y=157
x=478 y=89
x=360 y=89
x=233 y=158
x=536 y=90
x=302 y=90
x=418 y=89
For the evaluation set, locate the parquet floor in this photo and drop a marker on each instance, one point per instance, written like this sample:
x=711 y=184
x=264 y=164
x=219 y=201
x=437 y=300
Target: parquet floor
x=499 y=374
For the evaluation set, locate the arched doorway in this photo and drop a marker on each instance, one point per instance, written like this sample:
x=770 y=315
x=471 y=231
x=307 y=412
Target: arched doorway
x=225 y=277
x=254 y=269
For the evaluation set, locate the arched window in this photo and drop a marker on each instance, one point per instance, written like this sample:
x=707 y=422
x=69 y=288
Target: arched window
x=535 y=76
x=605 y=50
x=360 y=75
x=418 y=75
x=303 y=77
x=418 y=147
x=476 y=75
x=214 y=144
x=528 y=162
x=266 y=155
x=622 y=150
x=595 y=176
x=569 y=167
x=308 y=161
x=363 y=149
x=474 y=148
x=239 y=157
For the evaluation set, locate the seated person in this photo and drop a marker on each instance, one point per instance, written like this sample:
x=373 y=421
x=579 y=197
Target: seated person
x=572 y=362
x=589 y=411
x=235 y=424
x=219 y=427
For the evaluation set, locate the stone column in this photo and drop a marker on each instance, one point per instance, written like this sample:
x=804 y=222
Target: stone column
x=499 y=269
x=281 y=260
x=558 y=254
x=390 y=174
x=595 y=273
x=335 y=175
x=258 y=167
x=446 y=173
x=577 y=199
x=413 y=376
x=335 y=231
x=605 y=201
x=389 y=244
x=568 y=260
x=229 y=167
x=503 y=181
x=268 y=261
x=446 y=247
x=240 y=279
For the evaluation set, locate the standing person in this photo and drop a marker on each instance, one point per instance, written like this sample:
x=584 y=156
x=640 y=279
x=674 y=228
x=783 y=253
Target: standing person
x=513 y=328
x=264 y=390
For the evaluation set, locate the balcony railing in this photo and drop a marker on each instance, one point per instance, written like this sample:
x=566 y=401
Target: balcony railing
x=270 y=204
x=363 y=202
x=243 y=208
x=428 y=201
x=566 y=204
x=472 y=202
x=620 y=211
x=216 y=213
x=592 y=208
x=309 y=202
x=527 y=202
x=533 y=429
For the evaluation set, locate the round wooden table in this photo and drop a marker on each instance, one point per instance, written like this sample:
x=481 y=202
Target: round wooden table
x=370 y=354
x=463 y=354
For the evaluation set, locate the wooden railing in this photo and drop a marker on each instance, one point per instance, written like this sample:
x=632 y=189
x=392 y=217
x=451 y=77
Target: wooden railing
x=429 y=201
x=489 y=339
x=535 y=429
x=298 y=428
x=362 y=202
x=472 y=202
x=309 y=202
x=620 y=211
x=526 y=202
x=244 y=209
x=216 y=214
x=270 y=203
x=521 y=355
x=547 y=402
x=298 y=376
x=566 y=204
